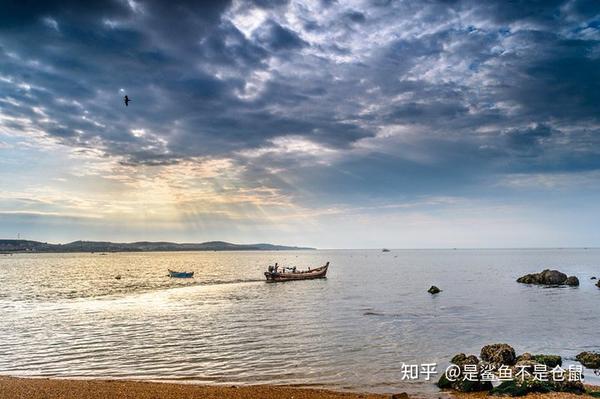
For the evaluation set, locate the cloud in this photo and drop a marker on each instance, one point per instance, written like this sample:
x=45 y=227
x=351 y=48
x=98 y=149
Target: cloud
x=276 y=37
x=369 y=101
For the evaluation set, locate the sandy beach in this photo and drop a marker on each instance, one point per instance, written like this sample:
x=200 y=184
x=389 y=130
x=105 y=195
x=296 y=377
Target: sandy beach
x=43 y=388
x=46 y=388
x=550 y=395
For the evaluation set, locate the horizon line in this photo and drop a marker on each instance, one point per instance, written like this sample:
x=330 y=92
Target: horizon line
x=317 y=248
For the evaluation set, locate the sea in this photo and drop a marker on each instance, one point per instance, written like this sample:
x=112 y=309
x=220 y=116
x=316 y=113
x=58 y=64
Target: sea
x=67 y=316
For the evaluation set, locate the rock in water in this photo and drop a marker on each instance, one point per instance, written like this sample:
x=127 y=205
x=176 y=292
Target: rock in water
x=572 y=281
x=401 y=395
x=592 y=278
x=598 y=284
x=461 y=359
x=553 y=277
x=551 y=361
x=591 y=360
x=548 y=277
x=499 y=354
x=434 y=290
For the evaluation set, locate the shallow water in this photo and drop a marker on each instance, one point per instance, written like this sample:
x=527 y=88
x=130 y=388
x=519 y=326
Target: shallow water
x=66 y=315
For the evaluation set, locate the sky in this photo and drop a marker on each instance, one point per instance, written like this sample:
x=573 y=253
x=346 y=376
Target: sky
x=334 y=124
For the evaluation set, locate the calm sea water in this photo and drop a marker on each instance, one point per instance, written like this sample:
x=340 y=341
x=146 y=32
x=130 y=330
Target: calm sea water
x=66 y=315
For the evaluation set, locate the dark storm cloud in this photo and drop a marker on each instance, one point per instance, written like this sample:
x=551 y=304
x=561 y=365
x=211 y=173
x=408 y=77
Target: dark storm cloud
x=485 y=88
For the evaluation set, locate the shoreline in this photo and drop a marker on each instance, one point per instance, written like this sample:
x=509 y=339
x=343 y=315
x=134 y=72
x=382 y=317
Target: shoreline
x=65 y=388
x=58 y=388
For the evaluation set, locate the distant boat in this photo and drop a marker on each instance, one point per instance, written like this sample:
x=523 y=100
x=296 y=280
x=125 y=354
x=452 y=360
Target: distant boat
x=273 y=275
x=385 y=250
x=173 y=273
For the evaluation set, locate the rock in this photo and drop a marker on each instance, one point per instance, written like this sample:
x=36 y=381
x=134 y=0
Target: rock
x=462 y=384
x=553 y=277
x=499 y=354
x=511 y=388
x=401 y=395
x=444 y=382
x=548 y=277
x=591 y=360
x=592 y=278
x=118 y=277
x=472 y=386
x=461 y=359
x=529 y=360
x=524 y=357
x=572 y=281
x=598 y=284
x=518 y=387
x=550 y=361
x=434 y=290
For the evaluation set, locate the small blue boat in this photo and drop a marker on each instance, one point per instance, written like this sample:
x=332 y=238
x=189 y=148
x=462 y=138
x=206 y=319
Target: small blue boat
x=173 y=273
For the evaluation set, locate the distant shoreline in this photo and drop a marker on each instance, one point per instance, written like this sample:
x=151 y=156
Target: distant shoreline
x=27 y=246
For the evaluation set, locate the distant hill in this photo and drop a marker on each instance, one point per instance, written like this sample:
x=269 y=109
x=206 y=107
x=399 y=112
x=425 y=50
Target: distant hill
x=142 y=246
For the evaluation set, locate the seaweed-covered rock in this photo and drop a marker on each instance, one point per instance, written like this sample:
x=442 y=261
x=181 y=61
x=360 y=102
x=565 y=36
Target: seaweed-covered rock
x=434 y=290
x=590 y=360
x=546 y=277
x=549 y=360
x=461 y=383
x=472 y=386
x=572 y=281
x=499 y=354
x=521 y=387
x=444 y=382
x=524 y=357
x=518 y=388
x=567 y=386
x=461 y=359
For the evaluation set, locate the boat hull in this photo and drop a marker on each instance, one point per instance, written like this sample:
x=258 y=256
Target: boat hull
x=175 y=274
x=320 y=272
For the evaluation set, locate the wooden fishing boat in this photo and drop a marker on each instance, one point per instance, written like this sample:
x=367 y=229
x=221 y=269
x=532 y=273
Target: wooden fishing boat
x=273 y=275
x=173 y=273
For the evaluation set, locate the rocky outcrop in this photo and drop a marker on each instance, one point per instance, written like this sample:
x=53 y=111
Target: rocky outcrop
x=598 y=284
x=499 y=354
x=460 y=383
x=549 y=277
x=572 y=281
x=434 y=290
x=590 y=360
x=518 y=387
x=550 y=361
x=461 y=359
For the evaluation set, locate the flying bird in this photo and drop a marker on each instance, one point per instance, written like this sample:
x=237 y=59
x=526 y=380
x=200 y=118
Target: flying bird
x=126 y=100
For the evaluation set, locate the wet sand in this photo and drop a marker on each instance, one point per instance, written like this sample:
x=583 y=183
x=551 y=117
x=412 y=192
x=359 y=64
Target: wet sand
x=38 y=388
